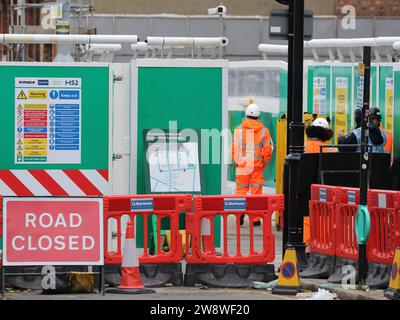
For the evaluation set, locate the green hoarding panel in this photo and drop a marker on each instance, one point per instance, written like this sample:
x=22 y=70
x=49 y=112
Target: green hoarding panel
x=319 y=90
x=396 y=135
x=341 y=99
x=190 y=96
x=386 y=88
x=94 y=105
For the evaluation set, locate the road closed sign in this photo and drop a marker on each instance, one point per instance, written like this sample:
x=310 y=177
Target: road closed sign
x=52 y=231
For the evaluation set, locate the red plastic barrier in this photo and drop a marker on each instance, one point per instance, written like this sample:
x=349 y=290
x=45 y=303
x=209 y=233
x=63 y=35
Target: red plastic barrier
x=208 y=207
x=323 y=219
x=163 y=206
x=384 y=208
x=346 y=238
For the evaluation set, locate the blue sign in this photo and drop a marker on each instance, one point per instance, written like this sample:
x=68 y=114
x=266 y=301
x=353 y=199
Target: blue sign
x=235 y=204
x=43 y=82
x=67 y=107
x=142 y=204
x=53 y=95
x=35 y=130
x=19 y=129
x=288 y=270
x=67 y=112
x=51 y=147
x=67 y=130
x=69 y=95
x=67 y=124
x=67 y=118
x=322 y=194
x=66 y=147
x=67 y=136
x=67 y=141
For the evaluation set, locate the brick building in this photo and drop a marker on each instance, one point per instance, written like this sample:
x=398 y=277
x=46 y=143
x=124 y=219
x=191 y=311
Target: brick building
x=370 y=7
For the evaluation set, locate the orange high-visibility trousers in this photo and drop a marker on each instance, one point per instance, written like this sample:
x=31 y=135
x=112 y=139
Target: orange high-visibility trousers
x=252 y=182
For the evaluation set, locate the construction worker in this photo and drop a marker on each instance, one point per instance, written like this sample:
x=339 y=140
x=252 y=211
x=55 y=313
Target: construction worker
x=318 y=133
x=377 y=137
x=251 y=153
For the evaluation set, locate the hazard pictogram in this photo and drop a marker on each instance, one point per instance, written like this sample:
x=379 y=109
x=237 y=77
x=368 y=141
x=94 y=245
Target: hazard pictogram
x=22 y=95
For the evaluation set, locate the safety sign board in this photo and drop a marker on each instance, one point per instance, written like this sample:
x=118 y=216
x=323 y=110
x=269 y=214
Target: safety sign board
x=142 y=204
x=320 y=92
x=52 y=231
x=234 y=204
x=48 y=120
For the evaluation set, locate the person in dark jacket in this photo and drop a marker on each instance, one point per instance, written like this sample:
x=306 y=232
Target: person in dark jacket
x=376 y=136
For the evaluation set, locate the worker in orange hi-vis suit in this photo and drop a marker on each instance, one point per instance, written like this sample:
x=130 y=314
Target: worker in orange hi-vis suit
x=318 y=134
x=251 y=153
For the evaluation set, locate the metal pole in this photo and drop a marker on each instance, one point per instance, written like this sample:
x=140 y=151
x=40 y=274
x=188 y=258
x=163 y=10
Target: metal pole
x=296 y=128
x=288 y=121
x=364 y=161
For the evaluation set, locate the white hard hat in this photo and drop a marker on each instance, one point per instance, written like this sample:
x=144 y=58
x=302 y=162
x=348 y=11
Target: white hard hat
x=321 y=122
x=253 y=111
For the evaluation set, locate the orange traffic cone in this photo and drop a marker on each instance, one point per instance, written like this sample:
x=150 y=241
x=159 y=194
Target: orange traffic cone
x=130 y=275
x=130 y=281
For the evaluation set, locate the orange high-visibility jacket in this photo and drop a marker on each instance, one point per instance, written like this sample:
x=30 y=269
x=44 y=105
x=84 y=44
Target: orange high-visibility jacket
x=313 y=146
x=251 y=145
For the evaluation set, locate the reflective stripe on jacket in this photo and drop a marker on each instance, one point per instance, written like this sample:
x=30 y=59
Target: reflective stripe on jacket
x=252 y=147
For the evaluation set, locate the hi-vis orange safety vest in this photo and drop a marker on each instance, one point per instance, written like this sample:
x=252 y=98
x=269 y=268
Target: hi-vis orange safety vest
x=251 y=145
x=313 y=146
x=389 y=140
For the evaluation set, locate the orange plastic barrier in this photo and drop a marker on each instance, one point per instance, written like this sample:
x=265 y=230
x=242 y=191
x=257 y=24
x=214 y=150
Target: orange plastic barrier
x=206 y=208
x=323 y=219
x=384 y=208
x=346 y=238
x=161 y=206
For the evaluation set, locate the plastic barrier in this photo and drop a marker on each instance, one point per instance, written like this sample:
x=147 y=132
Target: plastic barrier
x=346 y=238
x=348 y=200
x=163 y=266
x=322 y=231
x=206 y=265
x=384 y=208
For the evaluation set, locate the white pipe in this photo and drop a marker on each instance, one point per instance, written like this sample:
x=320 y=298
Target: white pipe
x=100 y=48
x=334 y=43
x=396 y=46
x=185 y=42
x=273 y=48
x=68 y=39
x=140 y=46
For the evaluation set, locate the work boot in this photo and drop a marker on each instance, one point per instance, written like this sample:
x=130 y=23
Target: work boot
x=242 y=219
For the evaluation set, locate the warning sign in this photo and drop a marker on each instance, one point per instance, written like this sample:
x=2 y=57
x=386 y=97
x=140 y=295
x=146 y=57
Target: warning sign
x=37 y=94
x=48 y=122
x=22 y=95
x=53 y=231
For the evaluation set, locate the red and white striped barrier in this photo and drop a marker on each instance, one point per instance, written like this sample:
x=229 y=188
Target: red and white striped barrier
x=54 y=183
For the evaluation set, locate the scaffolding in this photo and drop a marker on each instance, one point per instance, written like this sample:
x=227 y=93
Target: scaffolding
x=36 y=17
